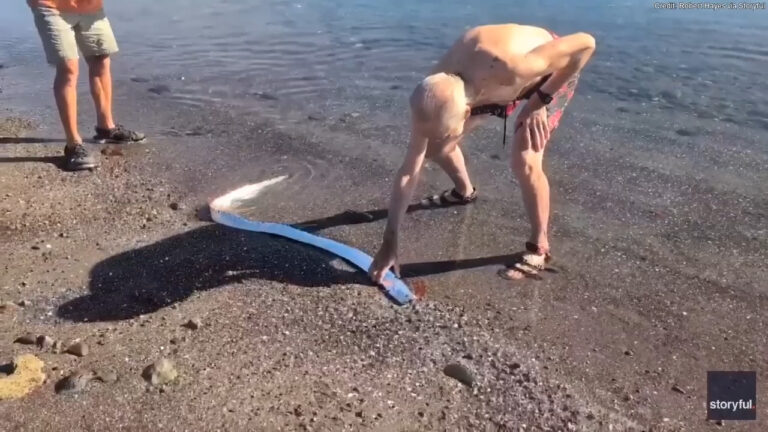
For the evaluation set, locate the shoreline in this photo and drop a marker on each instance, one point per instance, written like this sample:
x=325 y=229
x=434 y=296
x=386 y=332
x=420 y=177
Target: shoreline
x=288 y=334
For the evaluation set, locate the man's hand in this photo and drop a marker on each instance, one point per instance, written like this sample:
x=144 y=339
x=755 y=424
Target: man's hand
x=385 y=259
x=536 y=128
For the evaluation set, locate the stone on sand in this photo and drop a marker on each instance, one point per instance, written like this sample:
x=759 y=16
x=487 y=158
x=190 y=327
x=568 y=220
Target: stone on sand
x=79 y=349
x=26 y=376
x=193 y=324
x=44 y=342
x=9 y=307
x=107 y=377
x=27 y=339
x=74 y=382
x=160 y=372
x=460 y=373
x=58 y=347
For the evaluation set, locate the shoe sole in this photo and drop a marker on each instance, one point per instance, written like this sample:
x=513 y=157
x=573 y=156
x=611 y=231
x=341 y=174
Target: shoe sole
x=81 y=167
x=111 y=141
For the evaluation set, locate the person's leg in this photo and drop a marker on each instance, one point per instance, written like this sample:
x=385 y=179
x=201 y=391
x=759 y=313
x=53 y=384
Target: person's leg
x=65 y=92
x=452 y=162
x=58 y=37
x=100 y=79
x=451 y=159
x=527 y=166
x=528 y=169
x=98 y=43
x=59 y=42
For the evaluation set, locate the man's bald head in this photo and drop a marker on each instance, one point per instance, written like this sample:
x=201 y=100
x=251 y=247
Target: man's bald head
x=439 y=103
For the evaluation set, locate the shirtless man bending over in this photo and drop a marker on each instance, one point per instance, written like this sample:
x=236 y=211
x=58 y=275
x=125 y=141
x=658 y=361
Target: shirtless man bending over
x=490 y=70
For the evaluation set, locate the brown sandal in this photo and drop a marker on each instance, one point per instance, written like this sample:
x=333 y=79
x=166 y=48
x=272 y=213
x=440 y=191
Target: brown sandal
x=529 y=263
x=449 y=198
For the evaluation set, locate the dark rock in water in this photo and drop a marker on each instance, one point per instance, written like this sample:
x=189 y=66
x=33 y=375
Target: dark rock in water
x=622 y=110
x=193 y=324
x=265 y=96
x=395 y=87
x=75 y=382
x=160 y=372
x=160 y=89
x=671 y=95
x=349 y=116
x=44 y=342
x=685 y=132
x=316 y=117
x=495 y=157
x=140 y=79
x=460 y=373
x=27 y=339
x=79 y=349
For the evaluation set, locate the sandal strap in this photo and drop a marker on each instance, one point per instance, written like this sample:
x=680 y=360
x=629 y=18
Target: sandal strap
x=528 y=259
x=538 y=250
x=526 y=268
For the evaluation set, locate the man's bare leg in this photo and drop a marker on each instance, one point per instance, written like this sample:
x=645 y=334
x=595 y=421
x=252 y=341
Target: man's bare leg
x=528 y=168
x=65 y=92
x=100 y=78
x=452 y=162
x=529 y=171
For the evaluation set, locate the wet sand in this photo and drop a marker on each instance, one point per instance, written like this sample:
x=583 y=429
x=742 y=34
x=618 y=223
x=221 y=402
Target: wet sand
x=659 y=277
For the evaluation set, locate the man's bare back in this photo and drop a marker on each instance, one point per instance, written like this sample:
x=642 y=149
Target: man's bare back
x=486 y=57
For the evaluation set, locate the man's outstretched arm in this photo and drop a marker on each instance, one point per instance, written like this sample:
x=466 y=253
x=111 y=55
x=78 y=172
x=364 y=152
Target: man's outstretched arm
x=563 y=58
x=402 y=191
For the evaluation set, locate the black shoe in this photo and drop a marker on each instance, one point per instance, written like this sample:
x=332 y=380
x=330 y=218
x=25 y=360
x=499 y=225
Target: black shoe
x=78 y=158
x=117 y=135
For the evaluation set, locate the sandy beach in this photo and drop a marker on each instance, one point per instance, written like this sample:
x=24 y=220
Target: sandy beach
x=659 y=275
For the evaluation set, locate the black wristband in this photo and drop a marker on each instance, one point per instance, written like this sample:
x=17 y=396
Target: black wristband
x=545 y=98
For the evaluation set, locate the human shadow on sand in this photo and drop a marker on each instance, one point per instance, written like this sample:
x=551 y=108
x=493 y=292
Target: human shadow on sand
x=30 y=140
x=160 y=274
x=53 y=160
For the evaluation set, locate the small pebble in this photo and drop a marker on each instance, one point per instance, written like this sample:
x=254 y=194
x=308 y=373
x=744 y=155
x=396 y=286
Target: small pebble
x=79 y=349
x=24 y=303
x=44 y=342
x=460 y=373
x=58 y=347
x=106 y=377
x=8 y=307
x=160 y=372
x=75 y=382
x=174 y=206
x=678 y=389
x=193 y=324
x=27 y=339
x=628 y=353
